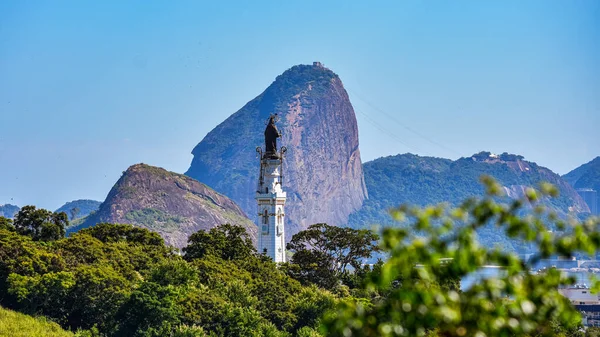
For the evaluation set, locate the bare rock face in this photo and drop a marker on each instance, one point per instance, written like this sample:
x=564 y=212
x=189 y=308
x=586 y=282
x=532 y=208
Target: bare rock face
x=168 y=203
x=322 y=170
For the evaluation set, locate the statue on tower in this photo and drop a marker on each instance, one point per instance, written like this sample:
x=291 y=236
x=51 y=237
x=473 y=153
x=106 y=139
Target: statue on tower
x=271 y=135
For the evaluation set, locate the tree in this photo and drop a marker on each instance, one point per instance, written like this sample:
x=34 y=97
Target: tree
x=229 y=242
x=6 y=224
x=323 y=253
x=40 y=224
x=107 y=232
x=151 y=306
x=519 y=303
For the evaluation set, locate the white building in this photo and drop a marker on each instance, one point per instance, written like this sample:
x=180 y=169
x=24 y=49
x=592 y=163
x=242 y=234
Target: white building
x=270 y=197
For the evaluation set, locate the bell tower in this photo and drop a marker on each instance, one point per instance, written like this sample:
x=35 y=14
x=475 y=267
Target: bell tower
x=270 y=197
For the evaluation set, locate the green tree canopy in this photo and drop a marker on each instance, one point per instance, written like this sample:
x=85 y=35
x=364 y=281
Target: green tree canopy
x=41 y=224
x=323 y=253
x=108 y=233
x=7 y=224
x=228 y=242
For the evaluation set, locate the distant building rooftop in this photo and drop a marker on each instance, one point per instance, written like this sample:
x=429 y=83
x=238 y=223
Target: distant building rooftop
x=585 y=190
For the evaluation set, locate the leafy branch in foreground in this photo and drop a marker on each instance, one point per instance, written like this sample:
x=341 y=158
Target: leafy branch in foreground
x=518 y=303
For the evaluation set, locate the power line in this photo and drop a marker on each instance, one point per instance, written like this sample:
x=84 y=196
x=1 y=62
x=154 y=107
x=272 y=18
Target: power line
x=385 y=131
x=403 y=125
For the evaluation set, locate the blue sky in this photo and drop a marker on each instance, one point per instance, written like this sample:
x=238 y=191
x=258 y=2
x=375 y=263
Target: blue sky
x=90 y=88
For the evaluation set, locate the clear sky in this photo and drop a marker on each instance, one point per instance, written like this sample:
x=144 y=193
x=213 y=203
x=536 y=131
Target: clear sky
x=88 y=88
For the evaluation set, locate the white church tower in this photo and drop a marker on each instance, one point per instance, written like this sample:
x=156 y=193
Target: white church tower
x=270 y=196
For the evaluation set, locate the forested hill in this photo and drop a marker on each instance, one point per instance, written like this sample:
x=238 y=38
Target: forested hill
x=77 y=209
x=586 y=175
x=8 y=210
x=407 y=178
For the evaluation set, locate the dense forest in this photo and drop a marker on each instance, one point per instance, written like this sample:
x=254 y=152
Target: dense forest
x=423 y=181
x=121 y=280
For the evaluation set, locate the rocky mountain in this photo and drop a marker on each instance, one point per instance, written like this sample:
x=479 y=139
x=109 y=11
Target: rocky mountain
x=586 y=180
x=323 y=175
x=81 y=208
x=171 y=204
x=8 y=210
x=409 y=178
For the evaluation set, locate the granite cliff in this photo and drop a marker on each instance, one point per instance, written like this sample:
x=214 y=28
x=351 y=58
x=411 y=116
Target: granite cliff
x=322 y=171
x=168 y=203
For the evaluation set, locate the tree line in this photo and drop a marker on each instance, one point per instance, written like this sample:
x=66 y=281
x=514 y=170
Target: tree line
x=121 y=280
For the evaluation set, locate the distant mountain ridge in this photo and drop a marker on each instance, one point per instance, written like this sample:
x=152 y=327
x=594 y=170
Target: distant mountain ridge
x=322 y=172
x=586 y=175
x=168 y=203
x=407 y=178
x=8 y=210
x=585 y=178
x=78 y=209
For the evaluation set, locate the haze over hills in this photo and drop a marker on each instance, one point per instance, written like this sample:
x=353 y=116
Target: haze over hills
x=8 y=210
x=171 y=204
x=78 y=209
x=75 y=209
x=586 y=179
x=586 y=175
x=322 y=171
x=408 y=178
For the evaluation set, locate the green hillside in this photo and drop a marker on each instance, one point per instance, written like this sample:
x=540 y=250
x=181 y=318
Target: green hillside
x=586 y=175
x=411 y=179
x=14 y=324
x=78 y=209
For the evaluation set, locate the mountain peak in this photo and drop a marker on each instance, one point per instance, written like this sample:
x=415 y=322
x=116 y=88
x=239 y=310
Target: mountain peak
x=317 y=68
x=8 y=210
x=80 y=208
x=322 y=170
x=485 y=156
x=172 y=204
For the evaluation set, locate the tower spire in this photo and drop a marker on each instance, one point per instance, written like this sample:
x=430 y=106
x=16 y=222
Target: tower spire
x=270 y=197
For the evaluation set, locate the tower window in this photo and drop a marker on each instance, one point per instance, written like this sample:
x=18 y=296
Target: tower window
x=266 y=217
x=264 y=250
